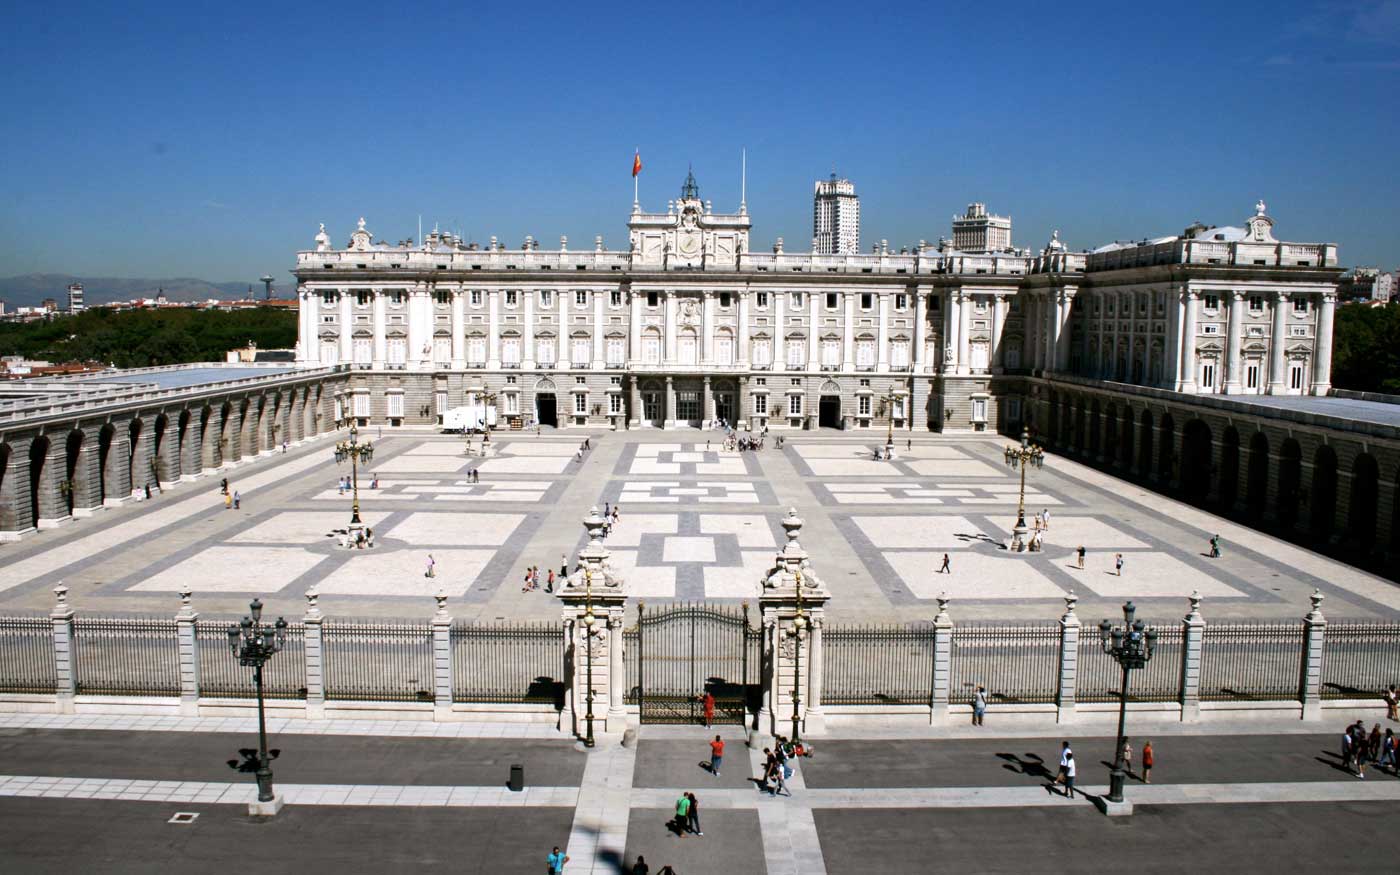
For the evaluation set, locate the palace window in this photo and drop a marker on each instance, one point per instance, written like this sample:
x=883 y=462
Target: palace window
x=794 y=405
x=511 y=403
x=580 y=404
x=760 y=405
x=476 y=350
x=651 y=347
x=442 y=298
x=794 y=352
x=396 y=299
x=615 y=299
x=510 y=297
x=442 y=351
x=440 y=401
x=763 y=352
x=361 y=405
x=580 y=351
x=1256 y=304
x=831 y=353
x=1251 y=376
x=1300 y=305
x=1295 y=375
x=546 y=298
x=899 y=353
x=863 y=405
x=797 y=299
x=545 y=348
x=1208 y=375
x=510 y=350
x=580 y=298
x=395 y=405
x=1212 y=302
x=831 y=301
x=724 y=300
x=398 y=351
x=761 y=299
x=617 y=350
x=865 y=353
x=615 y=404
x=362 y=299
x=901 y=302
x=652 y=299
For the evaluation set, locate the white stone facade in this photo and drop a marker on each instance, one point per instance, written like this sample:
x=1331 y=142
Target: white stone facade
x=688 y=326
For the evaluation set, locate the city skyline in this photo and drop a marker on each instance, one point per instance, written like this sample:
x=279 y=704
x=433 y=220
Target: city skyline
x=160 y=154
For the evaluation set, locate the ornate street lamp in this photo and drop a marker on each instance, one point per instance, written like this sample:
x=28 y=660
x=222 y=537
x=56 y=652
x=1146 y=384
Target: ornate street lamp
x=887 y=407
x=591 y=630
x=1131 y=645
x=357 y=454
x=253 y=644
x=796 y=632
x=1024 y=456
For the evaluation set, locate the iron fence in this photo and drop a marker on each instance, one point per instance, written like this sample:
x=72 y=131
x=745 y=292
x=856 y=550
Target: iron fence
x=220 y=675
x=378 y=661
x=521 y=662
x=28 y=666
x=126 y=656
x=1015 y=663
x=1360 y=659
x=631 y=659
x=1099 y=677
x=877 y=665
x=1251 y=661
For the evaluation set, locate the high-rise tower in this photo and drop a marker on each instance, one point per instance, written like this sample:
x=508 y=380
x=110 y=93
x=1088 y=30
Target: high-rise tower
x=836 y=217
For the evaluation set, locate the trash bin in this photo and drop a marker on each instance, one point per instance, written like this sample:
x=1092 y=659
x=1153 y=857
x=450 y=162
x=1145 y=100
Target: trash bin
x=517 y=777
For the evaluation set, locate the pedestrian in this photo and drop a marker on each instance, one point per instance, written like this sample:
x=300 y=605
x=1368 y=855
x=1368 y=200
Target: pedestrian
x=1373 y=744
x=666 y=870
x=557 y=859
x=779 y=776
x=708 y=704
x=432 y=567
x=909 y=444
x=1127 y=756
x=223 y=486
x=284 y=448
x=237 y=499
x=717 y=755
x=682 y=820
x=607 y=510
x=549 y=581
x=1065 y=753
x=1392 y=701
x=1070 y=771
x=1215 y=547
x=979 y=705
x=1045 y=519
x=770 y=765
x=1118 y=564
x=228 y=501
x=1348 y=750
x=369 y=537
x=1388 y=750
x=1081 y=552
x=640 y=867
x=947 y=567
x=693 y=814
x=1147 y=762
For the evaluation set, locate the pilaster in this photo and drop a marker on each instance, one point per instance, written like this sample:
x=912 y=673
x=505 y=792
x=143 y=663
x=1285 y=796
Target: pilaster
x=1193 y=630
x=65 y=668
x=186 y=629
x=1314 y=639
x=311 y=623
x=942 y=663
x=1069 y=661
x=442 y=659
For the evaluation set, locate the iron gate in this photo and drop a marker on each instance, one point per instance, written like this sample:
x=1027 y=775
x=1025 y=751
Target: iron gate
x=684 y=651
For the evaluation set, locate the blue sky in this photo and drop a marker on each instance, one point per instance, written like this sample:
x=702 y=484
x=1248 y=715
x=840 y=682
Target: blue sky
x=182 y=139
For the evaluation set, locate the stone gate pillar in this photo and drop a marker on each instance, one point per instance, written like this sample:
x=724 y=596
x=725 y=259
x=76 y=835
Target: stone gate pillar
x=593 y=598
x=793 y=611
x=1314 y=639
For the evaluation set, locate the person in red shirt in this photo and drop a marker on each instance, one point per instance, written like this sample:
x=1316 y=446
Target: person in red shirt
x=716 y=755
x=709 y=705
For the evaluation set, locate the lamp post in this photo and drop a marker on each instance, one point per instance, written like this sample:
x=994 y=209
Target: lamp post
x=1024 y=456
x=590 y=631
x=795 y=632
x=253 y=644
x=358 y=454
x=887 y=404
x=1131 y=645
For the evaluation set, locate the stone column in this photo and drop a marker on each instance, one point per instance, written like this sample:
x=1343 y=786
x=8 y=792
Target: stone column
x=186 y=630
x=1322 y=351
x=65 y=669
x=964 y=328
x=167 y=456
x=779 y=332
x=1063 y=330
x=210 y=455
x=315 y=668
x=741 y=417
x=459 y=329
x=942 y=663
x=743 y=353
x=814 y=342
x=599 y=324
x=668 y=416
x=1314 y=638
x=668 y=355
x=1193 y=630
x=1051 y=325
x=708 y=402
x=1278 y=339
x=346 y=322
x=87 y=480
x=792 y=604
x=1232 y=349
x=593 y=599
x=635 y=418
x=442 y=659
x=707 y=325
x=994 y=354
x=142 y=458
x=493 y=329
x=16 y=516
x=1069 y=661
x=920 y=332
x=848 y=331
x=1187 y=383
x=527 y=333
x=882 y=335
x=380 y=322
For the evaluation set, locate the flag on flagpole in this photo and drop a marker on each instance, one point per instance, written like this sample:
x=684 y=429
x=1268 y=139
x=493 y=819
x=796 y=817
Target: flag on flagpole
x=637 y=163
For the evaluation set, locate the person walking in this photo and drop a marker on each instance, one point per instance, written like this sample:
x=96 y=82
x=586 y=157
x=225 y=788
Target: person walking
x=716 y=755
x=682 y=814
x=1392 y=702
x=228 y=501
x=979 y=705
x=557 y=859
x=1215 y=546
x=640 y=867
x=708 y=705
x=1070 y=772
x=432 y=567
x=1118 y=564
x=1127 y=756
x=693 y=815
x=1147 y=762
x=1045 y=519
x=947 y=567
x=770 y=765
x=223 y=486
x=780 y=769
x=1081 y=551
x=1065 y=754
x=549 y=581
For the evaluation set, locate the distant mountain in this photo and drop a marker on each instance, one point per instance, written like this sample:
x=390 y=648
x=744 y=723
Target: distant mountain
x=31 y=289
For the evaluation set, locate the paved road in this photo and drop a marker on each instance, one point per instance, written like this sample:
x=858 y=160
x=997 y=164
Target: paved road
x=1333 y=838
x=65 y=836
x=1017 y=762
x=306 y=759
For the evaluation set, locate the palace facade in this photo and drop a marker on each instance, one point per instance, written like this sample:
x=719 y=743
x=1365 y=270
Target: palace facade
x=687 y=325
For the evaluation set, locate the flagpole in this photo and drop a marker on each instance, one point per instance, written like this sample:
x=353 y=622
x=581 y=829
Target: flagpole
x=743 y=180
x=636 y=202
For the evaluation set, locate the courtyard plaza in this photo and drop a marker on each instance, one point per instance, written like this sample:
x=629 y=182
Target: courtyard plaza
x=698 y=523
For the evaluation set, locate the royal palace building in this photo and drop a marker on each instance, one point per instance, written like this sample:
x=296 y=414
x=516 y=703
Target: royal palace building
x=687 y=325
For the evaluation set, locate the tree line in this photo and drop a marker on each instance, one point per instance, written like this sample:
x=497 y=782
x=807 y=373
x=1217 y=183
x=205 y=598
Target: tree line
x=141 y=338
x=1366 y=348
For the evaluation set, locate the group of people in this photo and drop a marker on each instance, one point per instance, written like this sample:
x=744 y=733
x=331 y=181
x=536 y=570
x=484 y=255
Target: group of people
x=532 y=579
x=582 y=448
x=344 y=484
x=358 y=540
x=232 y=500
x=1360 y=747
x=611 y=514
x=778 y=764
x=1081 y=552
x=1069 y=769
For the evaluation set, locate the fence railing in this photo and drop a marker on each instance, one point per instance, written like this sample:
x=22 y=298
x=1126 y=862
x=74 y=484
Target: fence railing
x=1015 y=663
x=378 y=661
x=1251 y=661
x=28 y=663
x=508 y=663
x=1100 y=677
x=126 y=656
x=1360 y=659
x=220 y=675
x=877 y=665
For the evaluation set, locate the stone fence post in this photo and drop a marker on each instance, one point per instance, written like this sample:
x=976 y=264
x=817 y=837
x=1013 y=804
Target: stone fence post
x=65 y=676
x=1069 y=661
x=942 y=662
x=593 y=599
x=311 y=642
x=185 y=630
x=1193 y=631
x=792 y=607
x=1310 y=681
x=442 y=659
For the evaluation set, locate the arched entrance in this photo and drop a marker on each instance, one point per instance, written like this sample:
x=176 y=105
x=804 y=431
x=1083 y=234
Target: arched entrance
x=1322 y=509
x=104 y=459
x=726 y=403
x=1125 y=439
x=157 y=445
x=1257 y=488
x=1290 y=478
x=546 y=404
x=38 y=454
x=829 y=406
x=1365 y=495
x=138 y=476
x=1229 y=467
x=1145 y=445
x=1195 y=460
x=72 y=473
x=653 y=413
x=1166 y=456
x=7 y=501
